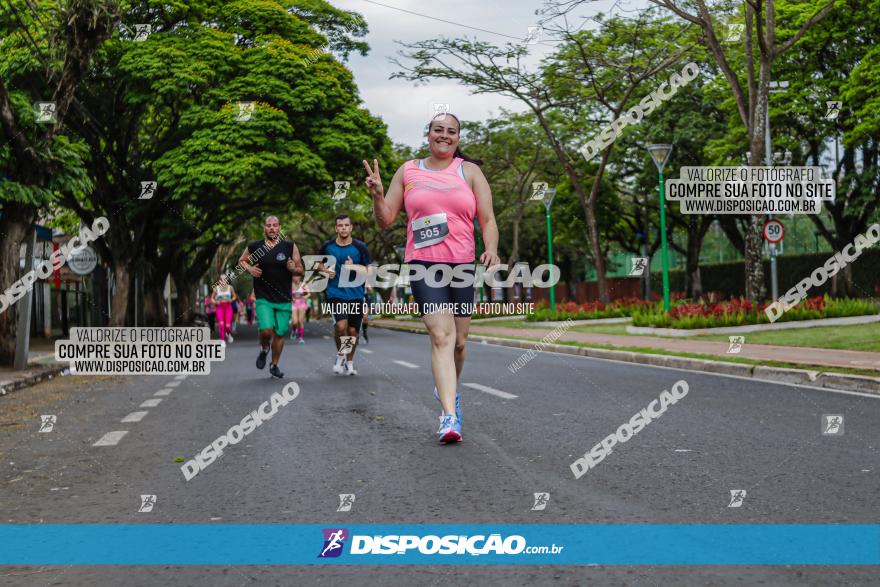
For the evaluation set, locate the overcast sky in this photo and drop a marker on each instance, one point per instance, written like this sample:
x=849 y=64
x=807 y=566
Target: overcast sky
x=406 y=108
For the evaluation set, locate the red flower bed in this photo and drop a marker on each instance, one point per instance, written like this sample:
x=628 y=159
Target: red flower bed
x=734 y=306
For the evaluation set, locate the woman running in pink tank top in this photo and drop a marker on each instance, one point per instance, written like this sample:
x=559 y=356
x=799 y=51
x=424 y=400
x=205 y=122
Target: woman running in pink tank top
x=441 y=195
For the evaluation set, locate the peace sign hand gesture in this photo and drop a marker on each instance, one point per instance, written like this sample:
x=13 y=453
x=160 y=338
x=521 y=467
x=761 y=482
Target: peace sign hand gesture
x=374 y=180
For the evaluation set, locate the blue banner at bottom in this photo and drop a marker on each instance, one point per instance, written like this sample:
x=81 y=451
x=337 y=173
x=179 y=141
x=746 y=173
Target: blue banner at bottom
x=487 y=544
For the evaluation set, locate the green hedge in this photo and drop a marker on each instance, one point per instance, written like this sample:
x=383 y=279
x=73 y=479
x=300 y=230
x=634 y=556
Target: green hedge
x=728 y=278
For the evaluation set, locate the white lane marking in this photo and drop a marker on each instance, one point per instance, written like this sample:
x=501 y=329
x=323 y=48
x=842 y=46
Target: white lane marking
x=683 y=450
x=111 y=438
x=164 y=392
x=180 y=377
x=405 y=364
x=172 y=384
x=325 y=337
x=151 y=403
x=490 y=390
x=682 y=369
x=368 y=351
x=134 y=417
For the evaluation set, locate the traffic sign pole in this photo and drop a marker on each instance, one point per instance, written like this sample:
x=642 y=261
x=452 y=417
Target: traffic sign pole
x=773 y=233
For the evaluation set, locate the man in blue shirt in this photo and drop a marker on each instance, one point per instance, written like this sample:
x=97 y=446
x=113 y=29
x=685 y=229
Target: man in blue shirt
x=352 y=259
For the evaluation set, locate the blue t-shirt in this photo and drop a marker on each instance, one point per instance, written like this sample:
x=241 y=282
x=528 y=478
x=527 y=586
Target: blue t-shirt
x=359 y=254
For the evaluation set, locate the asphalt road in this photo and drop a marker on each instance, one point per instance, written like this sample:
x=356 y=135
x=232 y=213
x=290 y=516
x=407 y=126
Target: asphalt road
x=373 y=435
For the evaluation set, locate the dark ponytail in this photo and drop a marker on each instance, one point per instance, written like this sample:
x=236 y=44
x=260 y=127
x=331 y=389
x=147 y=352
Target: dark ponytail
x=458 y=152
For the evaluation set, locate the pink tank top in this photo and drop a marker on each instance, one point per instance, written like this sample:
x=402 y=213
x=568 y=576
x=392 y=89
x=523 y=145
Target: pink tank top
x=429 y=193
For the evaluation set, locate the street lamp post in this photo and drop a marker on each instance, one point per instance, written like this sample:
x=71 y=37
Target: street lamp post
x=548 y=201
x=660 y=154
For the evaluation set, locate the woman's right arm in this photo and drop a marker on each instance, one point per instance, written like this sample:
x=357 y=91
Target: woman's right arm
x=385 y=207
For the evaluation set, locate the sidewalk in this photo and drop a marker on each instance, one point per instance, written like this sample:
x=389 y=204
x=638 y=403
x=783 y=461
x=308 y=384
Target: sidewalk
x=757 y=352
x=41 y=366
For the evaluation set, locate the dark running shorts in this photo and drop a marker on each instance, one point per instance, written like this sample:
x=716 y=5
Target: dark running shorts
x=427 y=293
x=350 y=310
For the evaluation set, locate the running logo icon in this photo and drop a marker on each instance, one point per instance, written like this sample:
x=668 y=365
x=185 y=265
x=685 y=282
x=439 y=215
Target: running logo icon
x=541 y=500
x=736 y=344
x=539 y=189
x=439 y=109
x=47 y=422
x=340 y=190
x=245 y=111
x=346 y=345
x=45 y=112
x=832 y=109
x=736 y=498
x=734 y=33
x=832 y=424
x=147 y=503
x=142 y=31
x=334 y=541
x=148 y=190
x=346 y=500
x=534 y=35
x=639 y=264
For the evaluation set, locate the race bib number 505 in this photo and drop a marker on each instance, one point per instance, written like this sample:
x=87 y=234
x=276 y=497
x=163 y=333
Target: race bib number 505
x=429 y=230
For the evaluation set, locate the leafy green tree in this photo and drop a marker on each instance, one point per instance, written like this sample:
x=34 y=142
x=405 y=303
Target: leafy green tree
x=45 y=51
x=593 y=78
x=750 y=85
x=167 y=110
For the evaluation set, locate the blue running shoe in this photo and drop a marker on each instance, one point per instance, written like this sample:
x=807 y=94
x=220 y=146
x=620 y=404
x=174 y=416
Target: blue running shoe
x=450 y=429
x=457 y=403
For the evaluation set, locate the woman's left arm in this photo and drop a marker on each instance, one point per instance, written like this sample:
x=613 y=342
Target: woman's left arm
x=485 y=213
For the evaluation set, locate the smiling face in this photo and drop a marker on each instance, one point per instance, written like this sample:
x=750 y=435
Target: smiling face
x=443 y=136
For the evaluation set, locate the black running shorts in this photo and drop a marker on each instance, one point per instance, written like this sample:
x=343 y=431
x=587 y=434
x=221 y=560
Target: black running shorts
x=430 y=295
x=350 y=310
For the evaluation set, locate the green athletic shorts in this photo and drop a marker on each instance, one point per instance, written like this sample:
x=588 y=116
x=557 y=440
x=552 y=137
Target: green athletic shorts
x=274 y=315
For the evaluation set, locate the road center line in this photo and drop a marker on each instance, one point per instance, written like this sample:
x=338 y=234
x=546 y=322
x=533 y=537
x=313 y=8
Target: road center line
x=134 y=417
x=172 y=384
x=164 y=392
x=180 y=377
x=368 y=351
x=111 y=438
x=151 y=403
x=490 y=390
x=405 y=364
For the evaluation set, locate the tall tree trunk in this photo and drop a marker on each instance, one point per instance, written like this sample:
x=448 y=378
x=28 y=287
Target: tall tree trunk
x=184 y=310
x=598 y=257
x=696 y=234
x=514 y=255
x=754 y=266
x=154 y=306
x=14 y=227
x=693 y=281
x=123 y=280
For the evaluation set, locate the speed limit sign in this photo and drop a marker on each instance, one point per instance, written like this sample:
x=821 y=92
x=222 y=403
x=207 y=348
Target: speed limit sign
x=773 y=231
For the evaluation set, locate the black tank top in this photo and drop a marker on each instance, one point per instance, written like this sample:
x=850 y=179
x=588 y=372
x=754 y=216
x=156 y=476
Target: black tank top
x=275 y=283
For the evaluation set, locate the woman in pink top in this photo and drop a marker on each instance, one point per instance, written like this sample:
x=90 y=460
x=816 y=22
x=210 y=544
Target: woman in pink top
x=441 y=195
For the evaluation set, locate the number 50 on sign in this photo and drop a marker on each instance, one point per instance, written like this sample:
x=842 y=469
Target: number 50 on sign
x=773 y=231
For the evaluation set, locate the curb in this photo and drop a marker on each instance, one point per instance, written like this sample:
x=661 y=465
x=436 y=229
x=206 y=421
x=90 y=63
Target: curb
x=836 y=381
x=30 y=377
x=787 y=325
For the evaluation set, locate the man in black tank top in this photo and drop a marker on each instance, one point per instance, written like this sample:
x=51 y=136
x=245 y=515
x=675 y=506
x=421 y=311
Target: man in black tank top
x=272 y=262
